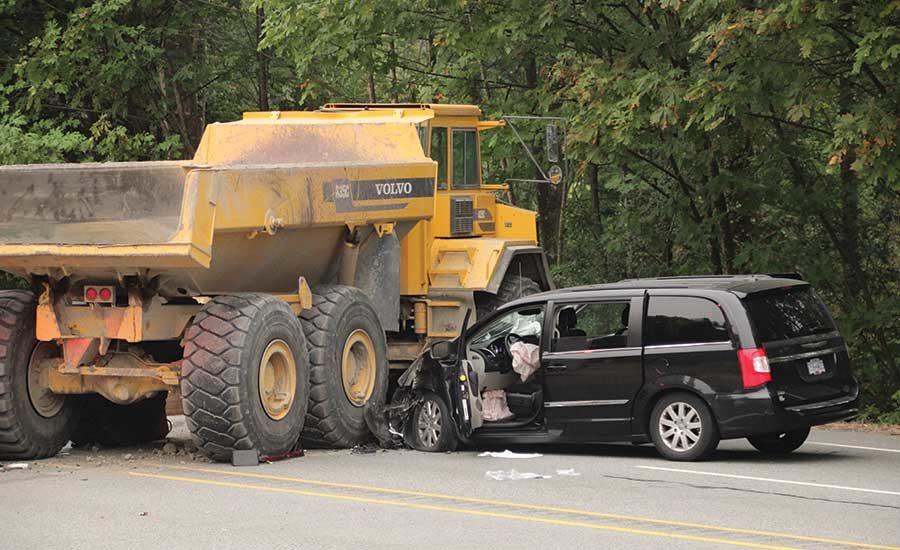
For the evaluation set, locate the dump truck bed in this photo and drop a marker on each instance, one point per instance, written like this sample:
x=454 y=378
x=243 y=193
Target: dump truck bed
x=113 y=203
x=263 y=201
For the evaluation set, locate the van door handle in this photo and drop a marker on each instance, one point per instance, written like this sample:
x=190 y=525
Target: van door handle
x=556 y=367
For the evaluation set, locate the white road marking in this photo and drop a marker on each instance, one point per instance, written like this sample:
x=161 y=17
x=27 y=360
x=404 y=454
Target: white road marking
x=854 y=447
x=771 y=480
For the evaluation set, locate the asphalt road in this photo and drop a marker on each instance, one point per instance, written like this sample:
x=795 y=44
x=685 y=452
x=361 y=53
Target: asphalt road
x=840 y=490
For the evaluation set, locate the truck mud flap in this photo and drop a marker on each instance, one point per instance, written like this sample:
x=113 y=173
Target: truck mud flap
x=378 y=275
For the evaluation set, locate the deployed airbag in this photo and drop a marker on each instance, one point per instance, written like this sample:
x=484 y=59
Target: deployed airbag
x=525 y=359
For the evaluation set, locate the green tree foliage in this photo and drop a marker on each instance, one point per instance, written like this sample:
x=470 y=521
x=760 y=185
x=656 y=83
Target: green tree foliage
x=703 y=137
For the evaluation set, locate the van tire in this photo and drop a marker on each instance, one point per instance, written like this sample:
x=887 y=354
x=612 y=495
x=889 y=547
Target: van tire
x=421 y=428
x=343 y=316
x=24 y=432
x=683 y=412
x=225 y=354
x=780 y=443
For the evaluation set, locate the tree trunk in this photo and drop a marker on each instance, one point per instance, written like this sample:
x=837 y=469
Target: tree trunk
x=262 y=62
x=394 y=83
x=593 y=182
x=549 y=197
x=370 y=86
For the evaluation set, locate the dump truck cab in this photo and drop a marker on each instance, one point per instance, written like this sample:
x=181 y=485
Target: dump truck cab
x=461 y=257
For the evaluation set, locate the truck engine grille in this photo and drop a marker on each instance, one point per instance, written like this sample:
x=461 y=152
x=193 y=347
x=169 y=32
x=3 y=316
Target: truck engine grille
x=462 y=215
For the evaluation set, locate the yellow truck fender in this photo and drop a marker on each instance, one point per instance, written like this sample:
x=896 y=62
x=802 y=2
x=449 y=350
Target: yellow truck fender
x=527 y=261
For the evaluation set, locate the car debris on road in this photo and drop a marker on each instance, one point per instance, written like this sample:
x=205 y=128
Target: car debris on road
x=509 y=454
x=513 y=475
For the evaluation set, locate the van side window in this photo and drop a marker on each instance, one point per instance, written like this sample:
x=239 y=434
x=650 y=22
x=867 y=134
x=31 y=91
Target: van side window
x=590 y=326
x=438 y=154
x=679 y=320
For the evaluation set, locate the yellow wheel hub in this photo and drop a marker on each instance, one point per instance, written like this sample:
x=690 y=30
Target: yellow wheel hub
x=277 y=379
x=358 y=367
x=45 y=402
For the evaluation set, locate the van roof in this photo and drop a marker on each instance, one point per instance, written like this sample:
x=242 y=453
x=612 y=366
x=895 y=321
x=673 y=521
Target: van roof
x=742 y=285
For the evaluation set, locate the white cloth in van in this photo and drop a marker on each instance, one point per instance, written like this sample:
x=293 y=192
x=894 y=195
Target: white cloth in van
x=495 y=407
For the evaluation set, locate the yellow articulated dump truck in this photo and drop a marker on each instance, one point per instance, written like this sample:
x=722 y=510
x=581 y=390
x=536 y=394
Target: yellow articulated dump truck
x=275 y=278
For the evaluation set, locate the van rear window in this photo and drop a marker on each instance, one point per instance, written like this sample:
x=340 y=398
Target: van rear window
x=790 y=314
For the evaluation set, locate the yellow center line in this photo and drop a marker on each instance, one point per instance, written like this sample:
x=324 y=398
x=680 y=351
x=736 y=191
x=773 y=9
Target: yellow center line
x=433 y=507
x=525 y=506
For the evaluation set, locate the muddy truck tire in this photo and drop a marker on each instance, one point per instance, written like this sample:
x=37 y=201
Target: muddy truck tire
x=245 y=376
x=34 y=423
x=113 y=425
x=348 y=366
x=512 y=288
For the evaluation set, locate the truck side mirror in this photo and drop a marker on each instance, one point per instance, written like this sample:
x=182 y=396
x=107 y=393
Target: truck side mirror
x=443 y=350
x=552 y=143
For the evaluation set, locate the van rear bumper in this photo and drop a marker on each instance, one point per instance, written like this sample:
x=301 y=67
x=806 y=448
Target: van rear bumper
x=756 y=412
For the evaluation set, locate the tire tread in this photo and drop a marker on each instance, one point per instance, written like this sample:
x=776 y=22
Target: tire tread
x=213 y=346
x=320 y=429
x=14 y=441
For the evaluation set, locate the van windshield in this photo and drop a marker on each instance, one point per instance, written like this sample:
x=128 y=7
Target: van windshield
x=790 y=314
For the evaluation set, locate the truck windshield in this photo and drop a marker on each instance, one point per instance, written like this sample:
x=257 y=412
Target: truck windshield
x=790 y=314
x=465 y=159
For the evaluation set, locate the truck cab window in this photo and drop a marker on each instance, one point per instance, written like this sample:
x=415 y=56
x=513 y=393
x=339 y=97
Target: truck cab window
x=439 y=154
x=466 y=173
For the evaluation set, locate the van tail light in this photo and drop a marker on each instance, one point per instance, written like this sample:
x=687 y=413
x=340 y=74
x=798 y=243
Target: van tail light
x=754 y=367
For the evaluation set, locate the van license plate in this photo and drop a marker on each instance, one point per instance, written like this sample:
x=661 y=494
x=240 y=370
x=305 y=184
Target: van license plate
x=815 y=367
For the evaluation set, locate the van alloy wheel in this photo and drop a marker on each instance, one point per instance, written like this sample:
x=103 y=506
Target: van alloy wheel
x=680 y=427
x=429 y=424
x=683 y=427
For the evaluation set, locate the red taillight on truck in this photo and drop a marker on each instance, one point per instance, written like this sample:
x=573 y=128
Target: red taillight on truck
x=754 y=367
x=99 y=294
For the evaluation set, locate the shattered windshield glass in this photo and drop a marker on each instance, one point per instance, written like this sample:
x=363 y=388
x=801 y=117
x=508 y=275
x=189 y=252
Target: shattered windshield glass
x=522 y=322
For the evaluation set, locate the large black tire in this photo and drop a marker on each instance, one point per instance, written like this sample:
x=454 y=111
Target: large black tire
x=512 y=288
x=113 y=425
x=223 y=351
x=431 y=427
x=779 y=443
x=338 y=313
x=694 y=432
x=24 y=432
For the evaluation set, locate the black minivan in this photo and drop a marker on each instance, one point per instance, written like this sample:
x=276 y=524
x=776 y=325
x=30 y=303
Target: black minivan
x=682 y=362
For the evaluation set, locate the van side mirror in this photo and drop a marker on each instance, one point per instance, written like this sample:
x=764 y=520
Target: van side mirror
x=443 y=350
